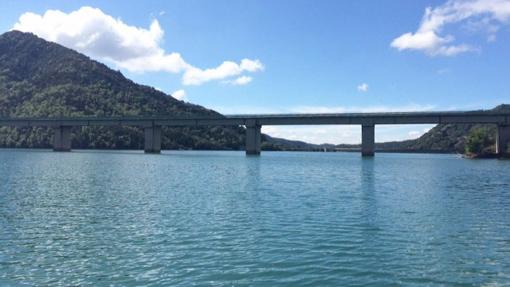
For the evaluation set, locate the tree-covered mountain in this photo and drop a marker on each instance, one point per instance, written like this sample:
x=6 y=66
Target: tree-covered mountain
x=44 y=79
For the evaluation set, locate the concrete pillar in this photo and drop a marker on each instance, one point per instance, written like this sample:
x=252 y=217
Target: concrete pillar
x=502 y=139
x=367 y=140
x=152 y=139
x=253 y=139
x=62 y=138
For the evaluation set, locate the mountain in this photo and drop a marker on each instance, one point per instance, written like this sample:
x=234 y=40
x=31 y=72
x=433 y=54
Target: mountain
x=44 y=79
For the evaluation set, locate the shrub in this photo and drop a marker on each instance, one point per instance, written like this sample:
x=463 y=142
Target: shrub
x=478 y=141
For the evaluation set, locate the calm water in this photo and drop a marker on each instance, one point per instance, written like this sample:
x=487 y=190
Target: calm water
x=223 y=219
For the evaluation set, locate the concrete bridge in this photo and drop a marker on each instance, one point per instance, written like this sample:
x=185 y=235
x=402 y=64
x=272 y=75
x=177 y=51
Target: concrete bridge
x=253 y=123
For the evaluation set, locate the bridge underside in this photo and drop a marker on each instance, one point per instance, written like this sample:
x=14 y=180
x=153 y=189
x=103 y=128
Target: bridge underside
x=152 y=134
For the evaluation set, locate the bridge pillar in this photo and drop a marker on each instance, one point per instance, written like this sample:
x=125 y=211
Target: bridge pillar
x=253 y=139
x=367 y=140
x=502 y=139
x=152 y=139
x=62 y=138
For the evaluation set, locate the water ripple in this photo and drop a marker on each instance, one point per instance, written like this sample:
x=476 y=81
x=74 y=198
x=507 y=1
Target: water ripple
x=222 y=219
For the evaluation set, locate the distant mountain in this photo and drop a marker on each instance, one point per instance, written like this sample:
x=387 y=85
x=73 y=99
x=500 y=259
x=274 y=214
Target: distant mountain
x=42 y=79
x=273 y=143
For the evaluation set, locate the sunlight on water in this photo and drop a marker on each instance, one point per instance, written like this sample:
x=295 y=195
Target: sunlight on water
x=220 y=218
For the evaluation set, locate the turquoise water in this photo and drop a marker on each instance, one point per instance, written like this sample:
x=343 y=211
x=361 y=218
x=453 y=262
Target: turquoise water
x=90 y=218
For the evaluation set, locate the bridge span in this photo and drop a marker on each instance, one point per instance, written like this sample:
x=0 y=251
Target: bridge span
x=253 y=123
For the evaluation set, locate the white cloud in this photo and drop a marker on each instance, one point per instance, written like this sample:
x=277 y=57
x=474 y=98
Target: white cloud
x=251 y=66
x=100 y=36
x=418 y=133
x=367 y=109
x=430 y=38
x=316 y=134
x=195 y=76
x=180 y=95
x=363 y=87
x=324 y=109
x=243 y=80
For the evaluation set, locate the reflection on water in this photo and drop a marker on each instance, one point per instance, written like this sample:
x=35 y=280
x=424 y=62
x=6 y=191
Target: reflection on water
x=220 y=218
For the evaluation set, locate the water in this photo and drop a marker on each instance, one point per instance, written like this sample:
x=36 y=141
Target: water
x=222 y=219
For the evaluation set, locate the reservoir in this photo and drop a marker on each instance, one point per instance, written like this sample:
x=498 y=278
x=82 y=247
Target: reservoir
x=218 y=218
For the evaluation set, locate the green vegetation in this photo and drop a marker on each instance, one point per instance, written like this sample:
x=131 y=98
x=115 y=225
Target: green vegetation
x=480 y=141
x=447 y=138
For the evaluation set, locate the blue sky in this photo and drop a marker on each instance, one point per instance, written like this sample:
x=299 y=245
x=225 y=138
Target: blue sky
x=299 y=56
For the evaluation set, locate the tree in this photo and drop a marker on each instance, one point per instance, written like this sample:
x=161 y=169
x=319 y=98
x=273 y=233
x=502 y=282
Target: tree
x=479 y=141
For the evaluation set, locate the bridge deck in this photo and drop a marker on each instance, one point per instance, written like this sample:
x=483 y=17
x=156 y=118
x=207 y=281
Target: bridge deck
x=272 y=119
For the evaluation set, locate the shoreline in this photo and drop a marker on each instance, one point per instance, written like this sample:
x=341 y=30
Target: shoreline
x=465 y=156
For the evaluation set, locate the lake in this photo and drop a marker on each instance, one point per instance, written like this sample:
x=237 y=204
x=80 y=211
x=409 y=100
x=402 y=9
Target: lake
x=214 y=218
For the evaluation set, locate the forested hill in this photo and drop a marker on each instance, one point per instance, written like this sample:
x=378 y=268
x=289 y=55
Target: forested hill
x=40 y=78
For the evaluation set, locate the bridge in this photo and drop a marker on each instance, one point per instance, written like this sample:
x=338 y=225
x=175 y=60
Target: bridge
x=253 y=123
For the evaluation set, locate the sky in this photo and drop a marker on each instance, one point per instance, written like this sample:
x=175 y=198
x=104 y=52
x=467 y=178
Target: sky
x=294 y=56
